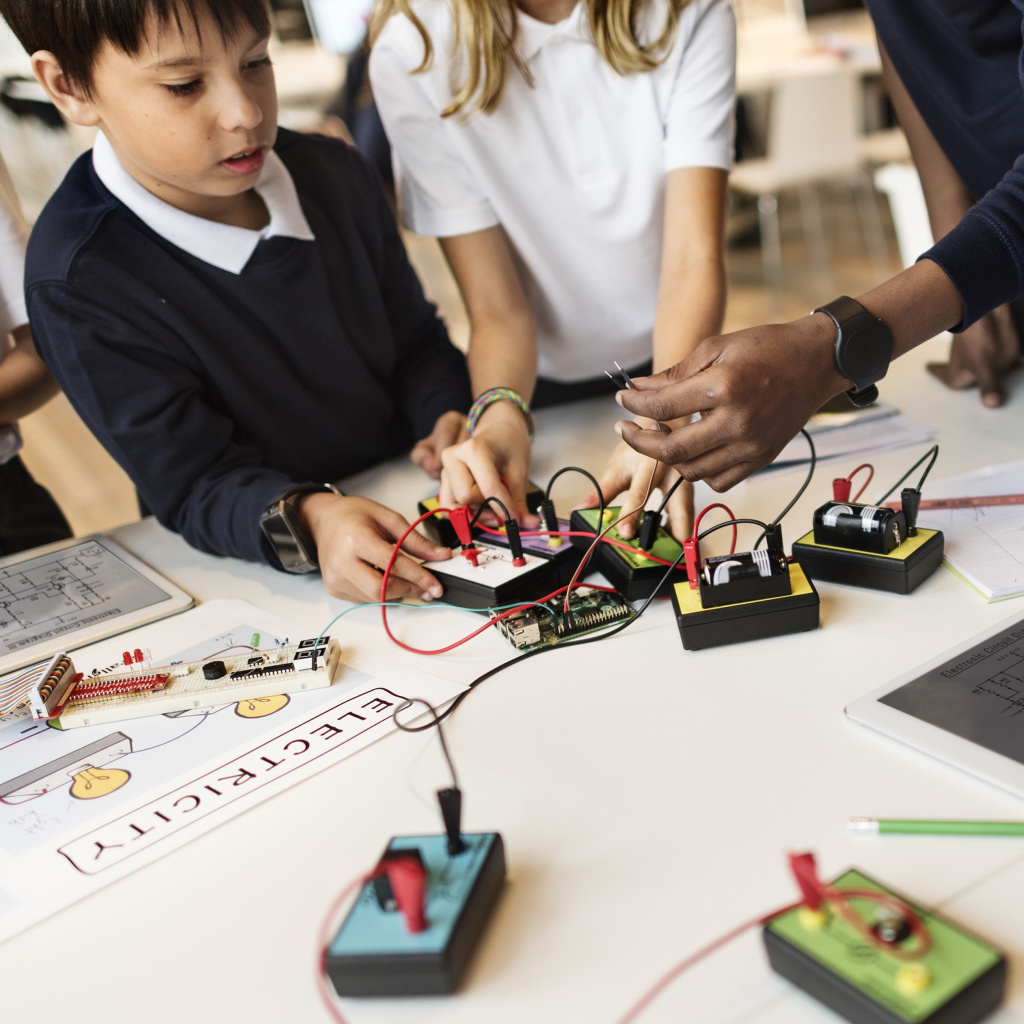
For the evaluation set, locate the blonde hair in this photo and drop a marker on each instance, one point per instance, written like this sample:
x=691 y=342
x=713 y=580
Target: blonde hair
x=487 y=33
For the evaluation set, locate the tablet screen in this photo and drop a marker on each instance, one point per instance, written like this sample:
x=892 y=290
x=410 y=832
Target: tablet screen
x=73 y=594
x=977 y=694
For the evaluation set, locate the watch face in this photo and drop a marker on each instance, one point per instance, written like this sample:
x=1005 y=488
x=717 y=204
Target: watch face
x=866 y=349
x=288 y=538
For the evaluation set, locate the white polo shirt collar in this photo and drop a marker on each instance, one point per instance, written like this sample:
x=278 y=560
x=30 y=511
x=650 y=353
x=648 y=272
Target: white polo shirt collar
x=533 y=34
x=222 y=245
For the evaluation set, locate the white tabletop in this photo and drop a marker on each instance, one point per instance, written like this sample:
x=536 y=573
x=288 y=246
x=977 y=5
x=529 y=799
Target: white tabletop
x=647 y=797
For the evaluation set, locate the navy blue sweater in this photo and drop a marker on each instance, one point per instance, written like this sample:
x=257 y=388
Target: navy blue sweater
x=963 y=65
x=216 y=391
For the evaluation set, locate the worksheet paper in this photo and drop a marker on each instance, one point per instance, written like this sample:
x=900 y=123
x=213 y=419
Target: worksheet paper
x=985 y=545
x=855 y=437
x=80 y=809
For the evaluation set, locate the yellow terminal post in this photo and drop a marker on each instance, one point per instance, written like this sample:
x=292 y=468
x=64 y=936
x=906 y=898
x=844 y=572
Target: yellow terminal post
x=554 y=542
x=606 y=517
x=812 y=920
x=912 y=979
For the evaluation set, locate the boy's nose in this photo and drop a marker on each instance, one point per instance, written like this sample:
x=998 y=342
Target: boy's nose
x=240 y=109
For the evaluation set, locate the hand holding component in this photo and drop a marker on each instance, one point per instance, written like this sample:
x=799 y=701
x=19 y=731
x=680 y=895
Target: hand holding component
x=494 y=462
x=354 y=536
x=754 y=389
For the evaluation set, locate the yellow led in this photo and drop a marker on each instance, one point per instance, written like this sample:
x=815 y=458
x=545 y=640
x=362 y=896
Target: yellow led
x=912 y=979
x=812 y=920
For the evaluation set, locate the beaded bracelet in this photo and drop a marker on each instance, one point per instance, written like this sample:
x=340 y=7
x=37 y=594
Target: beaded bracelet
x=489 y=397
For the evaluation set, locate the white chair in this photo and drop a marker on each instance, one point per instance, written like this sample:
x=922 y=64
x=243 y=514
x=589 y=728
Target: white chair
x=813 y=135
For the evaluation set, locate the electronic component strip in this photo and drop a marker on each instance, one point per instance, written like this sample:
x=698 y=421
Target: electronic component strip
x=143 y=690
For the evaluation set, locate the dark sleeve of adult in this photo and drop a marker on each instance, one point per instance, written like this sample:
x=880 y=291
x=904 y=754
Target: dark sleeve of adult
x=134 y=387
x=984 y=254
x=430 y=374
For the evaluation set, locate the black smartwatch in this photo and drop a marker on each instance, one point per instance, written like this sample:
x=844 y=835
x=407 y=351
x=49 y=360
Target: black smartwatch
x=283 y=527
x=863 y=348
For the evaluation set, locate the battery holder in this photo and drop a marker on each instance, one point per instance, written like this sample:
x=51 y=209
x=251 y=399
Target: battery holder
x=960 y=980
x=700 y=627
x=374 y=953
x=628 y=571
x=900 y=571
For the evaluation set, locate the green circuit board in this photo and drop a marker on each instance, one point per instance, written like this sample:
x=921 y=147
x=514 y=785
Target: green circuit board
x=545 y=625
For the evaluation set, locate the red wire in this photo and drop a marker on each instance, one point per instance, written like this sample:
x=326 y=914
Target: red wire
x=321 y=972
x=708 y=508
x=582 y=533
x=838 y=897
x=476 y=632
x=871 y=475
x=659 y=986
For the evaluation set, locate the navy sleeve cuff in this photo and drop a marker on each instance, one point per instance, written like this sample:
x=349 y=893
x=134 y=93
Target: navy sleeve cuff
x=984 y=254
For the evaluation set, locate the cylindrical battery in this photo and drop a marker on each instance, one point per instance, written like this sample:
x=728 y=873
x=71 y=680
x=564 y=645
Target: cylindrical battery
x=859 y=527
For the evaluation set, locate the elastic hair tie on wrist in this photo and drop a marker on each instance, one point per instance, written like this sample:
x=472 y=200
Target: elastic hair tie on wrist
x=489 y=397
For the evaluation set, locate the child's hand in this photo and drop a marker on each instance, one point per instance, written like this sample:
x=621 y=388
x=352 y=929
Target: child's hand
x=629 y=473
x=473 y=470
x=354 y=538
x=448 y=430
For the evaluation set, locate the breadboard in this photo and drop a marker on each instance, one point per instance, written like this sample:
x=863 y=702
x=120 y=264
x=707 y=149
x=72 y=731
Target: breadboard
x=246 y=676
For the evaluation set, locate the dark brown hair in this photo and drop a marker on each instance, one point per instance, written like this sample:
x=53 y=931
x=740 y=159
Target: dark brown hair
x=75 y=30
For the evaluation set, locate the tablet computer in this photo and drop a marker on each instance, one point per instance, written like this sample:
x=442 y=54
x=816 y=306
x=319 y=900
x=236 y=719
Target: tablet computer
x=72 y=593
x=965 y=706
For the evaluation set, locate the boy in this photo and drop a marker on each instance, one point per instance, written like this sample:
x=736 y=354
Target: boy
x=229 y=307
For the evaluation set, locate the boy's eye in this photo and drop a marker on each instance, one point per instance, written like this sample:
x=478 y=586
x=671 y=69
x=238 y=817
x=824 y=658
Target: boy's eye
x=257 y=65
x=183 y=88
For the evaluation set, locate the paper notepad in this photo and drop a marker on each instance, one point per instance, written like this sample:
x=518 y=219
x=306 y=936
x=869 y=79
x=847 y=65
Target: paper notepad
x=985 y=546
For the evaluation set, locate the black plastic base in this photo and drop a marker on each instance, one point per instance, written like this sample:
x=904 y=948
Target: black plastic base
x=533 y=581
x=900 y=572
x=630 y=574
x=372 y=954
x=699 y=628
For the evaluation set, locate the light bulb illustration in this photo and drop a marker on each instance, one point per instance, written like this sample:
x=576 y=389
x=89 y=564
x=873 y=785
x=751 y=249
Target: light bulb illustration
x=260 y=707
x=91 y=783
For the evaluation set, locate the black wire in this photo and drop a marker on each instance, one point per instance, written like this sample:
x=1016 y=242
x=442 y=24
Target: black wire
x=436 y=721
x=668 y=494
x=934 y=453
x=578 y=642
x=733 y=522
x=490 y=501
x=799 y=493
x=590 y=476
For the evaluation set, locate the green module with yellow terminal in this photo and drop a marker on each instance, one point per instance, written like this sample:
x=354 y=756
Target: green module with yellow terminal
x=888 y=970
x=634 y=567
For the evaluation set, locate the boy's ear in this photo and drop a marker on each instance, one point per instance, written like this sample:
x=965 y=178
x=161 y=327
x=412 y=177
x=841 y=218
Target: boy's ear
x=67 y=97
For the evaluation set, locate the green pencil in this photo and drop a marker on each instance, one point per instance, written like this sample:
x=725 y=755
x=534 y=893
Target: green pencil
x=937 y=828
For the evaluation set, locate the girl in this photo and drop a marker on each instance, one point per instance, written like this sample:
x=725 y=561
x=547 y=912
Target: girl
x=572 y=158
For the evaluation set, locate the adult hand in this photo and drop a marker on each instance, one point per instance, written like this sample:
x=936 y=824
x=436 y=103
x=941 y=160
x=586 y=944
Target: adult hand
x=981 y=355
x=473 y=470
x=754 y=389
x=354 y=539
x=629 y=473
x=448 y=430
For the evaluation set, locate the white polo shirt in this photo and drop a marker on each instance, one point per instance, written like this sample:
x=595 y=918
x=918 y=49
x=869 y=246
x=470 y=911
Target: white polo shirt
x=572 y=168
x=13 y=238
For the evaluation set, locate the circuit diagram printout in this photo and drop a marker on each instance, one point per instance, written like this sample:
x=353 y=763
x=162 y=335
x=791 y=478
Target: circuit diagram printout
x=977 y=695
x=59 y=593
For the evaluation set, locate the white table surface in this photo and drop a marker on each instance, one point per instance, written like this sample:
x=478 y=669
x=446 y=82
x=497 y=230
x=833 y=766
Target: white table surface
x=647 y=796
